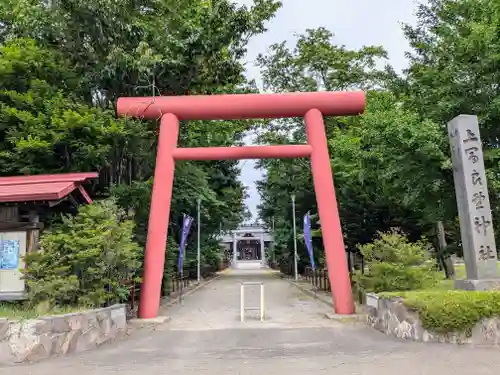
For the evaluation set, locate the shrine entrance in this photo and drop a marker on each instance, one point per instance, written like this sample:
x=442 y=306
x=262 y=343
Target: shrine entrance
x=249 y=248
x=311 y=106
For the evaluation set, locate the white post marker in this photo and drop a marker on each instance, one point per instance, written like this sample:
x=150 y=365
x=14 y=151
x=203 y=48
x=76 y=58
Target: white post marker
x=242 y=300
x=262 y=302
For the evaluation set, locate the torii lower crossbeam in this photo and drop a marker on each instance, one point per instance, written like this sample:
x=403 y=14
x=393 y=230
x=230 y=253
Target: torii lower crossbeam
x=246 y=152
x=312 y=106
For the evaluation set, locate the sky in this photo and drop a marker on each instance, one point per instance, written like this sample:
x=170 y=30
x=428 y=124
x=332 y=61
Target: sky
x=354 y=22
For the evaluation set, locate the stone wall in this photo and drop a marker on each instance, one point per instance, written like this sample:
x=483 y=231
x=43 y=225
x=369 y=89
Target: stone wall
x=44 y=337
x=392 y=317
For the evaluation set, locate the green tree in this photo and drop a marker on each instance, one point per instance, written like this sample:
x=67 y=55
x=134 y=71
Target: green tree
x=318 y=63
x=395 y=264
x=179 y=46
x=86 y=260
x=403 y=159
x=452 y=71
x=68 y=63
x=391 y=166
x=46 y=128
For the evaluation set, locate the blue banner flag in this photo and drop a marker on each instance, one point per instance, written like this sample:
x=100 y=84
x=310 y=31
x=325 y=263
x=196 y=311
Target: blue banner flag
x=308 y=239
x=186 y=226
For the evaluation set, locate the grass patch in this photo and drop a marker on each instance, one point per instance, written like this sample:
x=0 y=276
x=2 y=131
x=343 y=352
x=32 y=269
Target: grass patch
x=446 y=284
x=450 y=311
x=460 y=271
x=20 y=311
x=460 y=274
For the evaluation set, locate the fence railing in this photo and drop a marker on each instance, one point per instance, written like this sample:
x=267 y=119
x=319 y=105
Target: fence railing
x=318 y=278
x=177 y=283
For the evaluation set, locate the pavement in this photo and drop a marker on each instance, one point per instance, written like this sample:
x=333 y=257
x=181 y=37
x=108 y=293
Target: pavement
x=205 y=336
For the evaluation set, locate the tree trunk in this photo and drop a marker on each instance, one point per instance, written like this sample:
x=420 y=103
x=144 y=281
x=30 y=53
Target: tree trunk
x=444 y=260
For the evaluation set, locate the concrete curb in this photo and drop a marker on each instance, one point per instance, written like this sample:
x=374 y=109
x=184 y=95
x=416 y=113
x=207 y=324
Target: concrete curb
x=311 y=293
x=141 y=323
x=354 y=318
x=357 y=317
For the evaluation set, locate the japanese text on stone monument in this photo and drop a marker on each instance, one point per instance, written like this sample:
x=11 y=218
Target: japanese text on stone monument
x=476 y=224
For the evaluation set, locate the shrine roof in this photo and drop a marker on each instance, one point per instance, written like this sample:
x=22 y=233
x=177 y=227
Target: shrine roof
x=44 y=187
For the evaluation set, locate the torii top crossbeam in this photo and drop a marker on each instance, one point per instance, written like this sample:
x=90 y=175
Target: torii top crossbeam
x=243 y=106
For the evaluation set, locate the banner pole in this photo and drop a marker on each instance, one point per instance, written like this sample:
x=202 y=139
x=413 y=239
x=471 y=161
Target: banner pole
x=186 y=225
x=182 y=287
x=315 y=288
x=198 y=249
x=295 y=260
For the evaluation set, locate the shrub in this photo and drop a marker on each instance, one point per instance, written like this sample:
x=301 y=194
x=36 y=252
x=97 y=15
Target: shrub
x=395 y=264
x=451 y=311
x=84 y=260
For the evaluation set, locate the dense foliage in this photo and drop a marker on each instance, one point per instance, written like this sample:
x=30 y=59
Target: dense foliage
x=391 y=165
x=63 y=64
x=86 y=260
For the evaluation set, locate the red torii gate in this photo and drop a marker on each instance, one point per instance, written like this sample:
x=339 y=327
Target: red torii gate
x=312 y=106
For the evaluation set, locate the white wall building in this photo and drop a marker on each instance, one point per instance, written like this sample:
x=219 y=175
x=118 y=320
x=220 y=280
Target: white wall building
x=247 y=246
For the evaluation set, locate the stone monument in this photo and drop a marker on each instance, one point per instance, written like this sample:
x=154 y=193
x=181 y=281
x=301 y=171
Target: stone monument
x=476 y=224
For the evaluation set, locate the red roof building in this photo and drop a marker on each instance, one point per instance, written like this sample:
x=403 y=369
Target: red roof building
x=45 y=187
x=22 y=200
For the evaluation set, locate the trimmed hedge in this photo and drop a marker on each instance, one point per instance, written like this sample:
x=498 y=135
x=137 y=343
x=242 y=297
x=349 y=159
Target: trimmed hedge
x=448 y=311
x=393 y=263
